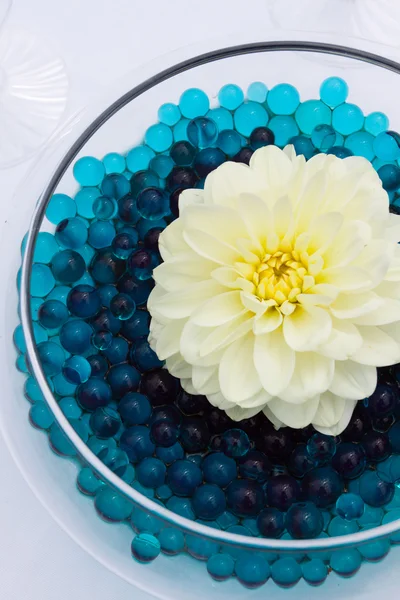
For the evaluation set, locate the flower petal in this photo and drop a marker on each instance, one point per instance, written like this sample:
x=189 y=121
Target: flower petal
x=191 y=341
x=388 y=312
x=274 y=166
x=274 y=361
x=307 y=328
x=178 y=367
x=181 y=304
x=312 y=375
x=330 y=410
x=218 y=221
x=211 y=247
x=378 y=349
x=268 y=322
x=168 y=339
x=237 y=413
x=351 y=306
x=171 y=240
x=238 y=377
x=221 y=336
x=296 y=416
x=224 y=185
x=190 y=197
x=353 y=381
x=182 y=270
x=323 y=230
x=205 y=379
x=219 y=310
x=340 y=426
x=343 y=341
x=348 y=244
x=347 y=278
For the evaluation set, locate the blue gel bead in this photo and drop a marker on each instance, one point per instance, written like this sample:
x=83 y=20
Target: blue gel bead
x=122 y=306
x=138 y=159
x=283 y=99
x=252 y=570
x=39 y=334
x=134 y=408
x=102 y=339
x=340 y=151
x=389 y=518
x=115 y=186
x=312 y=113
x=153 y=204
x=350 y=506
x=394 y=437
x=183 y=477
x=271 y=523
x=123 y=244
x=59 y=442
x=361 y=144
x=94 y=393
x=88 y=171
x=67 y=266
x=334 y=91
x=106 y=268
x=52 y=357
x=221 y=117
x=112 y=506
x=201 y=548
x=183 y=153
x=83 y=301
x=227 y=519
x=371 y=516
x=87 y=253
x=59 y=208
x=144 y=357
x=284 y=128
x=375 y=551
x=145 y=547
x=229 y=141
x=249 y=116
x=84 y=200
x=321 y=447
x=45 y=247
x=96 y=445
x=114 y=163
x=105 y=422
x=144 y=226
x=390 y=177
x=98 y=365
x=101 y=234
x=202 y=132
x=117 y=352
x=172 y=541
x=75 y=336
x=257 y=91
x=194 y=103
x=161 y=165
x=208 y=501
x=315 y=571
x=136 y=442
x=138 y=290
x=143 y=180
x=180 y=130
x=52 y=314
x=346 y=562
x=303 y=145
x=286 y=572
x=70 y=407
x=219 y=469
x=151 y=472
x=115 y=459
x=40 y=416
x=62 y=386
x=143 y=521
x=33 y=391
x=36 y=303
x=21 y=364
x=347 y=118
x=170 y=454
x=181 y=506
x=71 y=233
x=323 y=137
x=123 y=378
x=42 y=280
x=389 y=470
x=304 y=521
x=230 y=96
x=169 y=114
x=105 y=208
x=158 y=137
x=88 y=483
x=374 y=491
x=164 y=492
x=322 y=486
x=76 y=369
x=245 y=498
x=376 y=123
x=235 y=443
x=148 y=492
x=207 y=160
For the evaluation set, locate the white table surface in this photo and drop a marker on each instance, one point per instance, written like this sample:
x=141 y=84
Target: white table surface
x=99 y=40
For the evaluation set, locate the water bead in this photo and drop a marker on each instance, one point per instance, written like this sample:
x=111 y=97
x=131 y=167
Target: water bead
x=158 y=137
x=229 y=141
x=122 y=306
x=151 y=472
x=123 y=378
x=389 y=470
x=105 y=422
x=349 y=460
x=40 y=416
x=304 y=521
x=45 y=247
x=374 y=491
x=300 y=461
x=394 y=437
x=207 y=160
x=346 y=562
x=75 y=336
x=390 y=177
x=70 y=407
x=376 y=123
x=271 y=522
x=323 y=137
x=375 y=551
x=334 y=91
x=386 y=146
x=219 y=469
x=252 y=570
x=257 y=91
x=347 y=118
x=84 y=200
x=350 y=506
x=276 y=444
x=159 y=386
x=261 y=136
x=321 y=448
x=136 y=442
x=283 y=99
x=71 y=233
x=361 y=144
x=194 y=103
x=67 y=266
x=140 y=264
x=42 y=280
x=322 y=486
x=184 y=477
x=180 y=130
x=52 y=314
x=286 y=572
x=190 y=404
x=249 y=116
x=88 y=483
x=221 y=117
x=102 y=339
x=88 y=171
x=76 y=369
x=94 y=393
x=208 y=501
x=312 y=113
x=359 y=424
x=59 y=208
x=33 y=391
x=339 y=526
x=314 y=571
x=114 y=163
x=245 y=498
x=152 y=203
x=340 y=151
x=181 y=177
x=376 y=446
x=303 y=145
x=194 y=435
x=220 y=566
x=202 y=132
x=101 y=234
x=83 y=301
x=283 y=128
x=230 y=96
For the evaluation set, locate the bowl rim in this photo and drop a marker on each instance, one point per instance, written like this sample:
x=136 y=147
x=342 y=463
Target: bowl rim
x=83 y=451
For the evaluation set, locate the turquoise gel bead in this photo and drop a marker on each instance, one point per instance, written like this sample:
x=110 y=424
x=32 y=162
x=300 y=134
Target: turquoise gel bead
x=194 y=103
x=129 y=473
x=22 y=364
x=334 y=91
x=350 y=506
x=145 y=547
x=105 y=208
x=249 y=116
x=347 y=118
x=19 y=338
x=180 y=130
x=138 y=159
x=45 y=247
x=141 y=520
x=372 y=516
x=36 y=303
x=59 y=442
x=321 y=555
x=391 y=516
x=346 y=562
x=71 y=233
x=172 y=541
x=89 y=171
x=339 y=526
x=312 y=113
x=284 y=128
x=227 y=519
x=314 y=571
x=230 y=96
x=202 y=132
x=375 y=551
x=59 y=208
x=87 y=253
x=114 y=163
x=386 y=146
x=361 y=143
x=84 y=200
x=201 y=548
x=181 y=506
x=169 y=114
x=323 y=137
x=257 y=91
x=42 y=280
x=88 y=483
x=286 y=572
x=33 y=391
x=220 y=566
x=252 y=570
x=52 y=357
x=40 y=416
x=389 y=469
x=303 y=145
x=376 y=123
x=101 y=234
x=70 y=407
x=375 y=491
x=395 y=501
x=112 y=506
x=161 y=165
x=148 y=492
x=76 y=369
x=164 y=492
x=221 y=117
x=283 y=99
x=229 y=141
x=159 y=137
x=62 y=386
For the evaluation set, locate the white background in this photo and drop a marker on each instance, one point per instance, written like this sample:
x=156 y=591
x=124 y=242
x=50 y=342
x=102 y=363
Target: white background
x=99 y=40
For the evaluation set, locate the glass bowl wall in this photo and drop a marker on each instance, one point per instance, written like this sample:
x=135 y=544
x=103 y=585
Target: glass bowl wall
x=374 y=85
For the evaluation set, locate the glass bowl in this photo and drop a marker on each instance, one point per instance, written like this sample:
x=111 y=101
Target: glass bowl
x=374 y=85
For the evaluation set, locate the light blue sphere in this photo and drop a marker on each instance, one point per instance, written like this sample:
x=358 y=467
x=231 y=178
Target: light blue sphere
x=230 y=96
x=283 y=99
x=249 y=116
x=89 y=171
x=334 y=91
x=59 y=208
x=194 y=103
x=347 y=118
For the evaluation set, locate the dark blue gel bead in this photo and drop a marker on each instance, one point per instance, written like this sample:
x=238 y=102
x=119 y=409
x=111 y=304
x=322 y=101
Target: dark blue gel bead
x=67 y=266
x=390 y=177
x=105 y=267
x=136 y=442
x=245 y=498
x=98 y=365
x=137 y=326
x=143 y=356
x=118 y=351
x=340 y=151
x=183 y=477
x=134 y=408
x=115 y=185
x=142 y=180
x=208 y=501
x=105 y=321
x=304 y=521
x=52 y=314
x=105 y=422
x=94 y=393
x=138 y=290
x=207 y=160
x=323 y=486
x=170 y=454
x=106 y=293
x=83 y=301
x=127 y=209
x=75 y=336
x=182 y=153
x=303 y=145
x=123 y=378
x=219 y=468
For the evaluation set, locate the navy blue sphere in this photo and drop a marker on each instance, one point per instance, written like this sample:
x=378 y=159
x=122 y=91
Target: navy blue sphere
x=159 y=386
x=105 y=321
x=127 y=209
x=191 y=404
x=245 y=498
x=134 y=408
x=208 y=160
x=282 y=491
x=166 y=412
x=183 y=477
x=360 y=423
x=376 y=445
x=152 y=237
x=123 y=244
x=304 y=521
x=244 y=155
x=321 y=447
x=122 y=306
x=322 y=486
x=151 y=472
x=52 y=314
x=164 y=433
x=75 y=336
x=208 y=502
x=106 y=292
x=340 y=151
x=271 y=522
x=142 y=180
x=218 y=421
x=67 y=266
x=105 y=422
x=105 y=267
x=194 y=434
x=137 y=326
x=122 y=379
x=219 y=469
x=276 y=444
x=390 y=177
x=83 y=301
x=255 y=465
x=349 y=460
x=139 y=264
x=152 y=203
x=138 y=290
x=102 y=339
x=94 y=393
x=300 y=462
x=181 y=177
x=183 y=153
x=136 y=442
x=144 y=357
x=98 y=365
x=117 y=351
x=374 y=491
x=384 y=400
x=261 y=136
x=235 y=442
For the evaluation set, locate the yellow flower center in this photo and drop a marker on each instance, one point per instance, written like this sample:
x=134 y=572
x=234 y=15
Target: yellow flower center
x=279 y=277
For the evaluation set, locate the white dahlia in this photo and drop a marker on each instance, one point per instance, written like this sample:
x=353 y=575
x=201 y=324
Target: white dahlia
x=280 y=286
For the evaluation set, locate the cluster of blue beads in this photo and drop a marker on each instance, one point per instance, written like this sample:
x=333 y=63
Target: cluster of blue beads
x=90 y=282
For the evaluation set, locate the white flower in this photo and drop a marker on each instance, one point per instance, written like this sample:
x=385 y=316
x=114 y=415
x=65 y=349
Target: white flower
x=280 y=288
